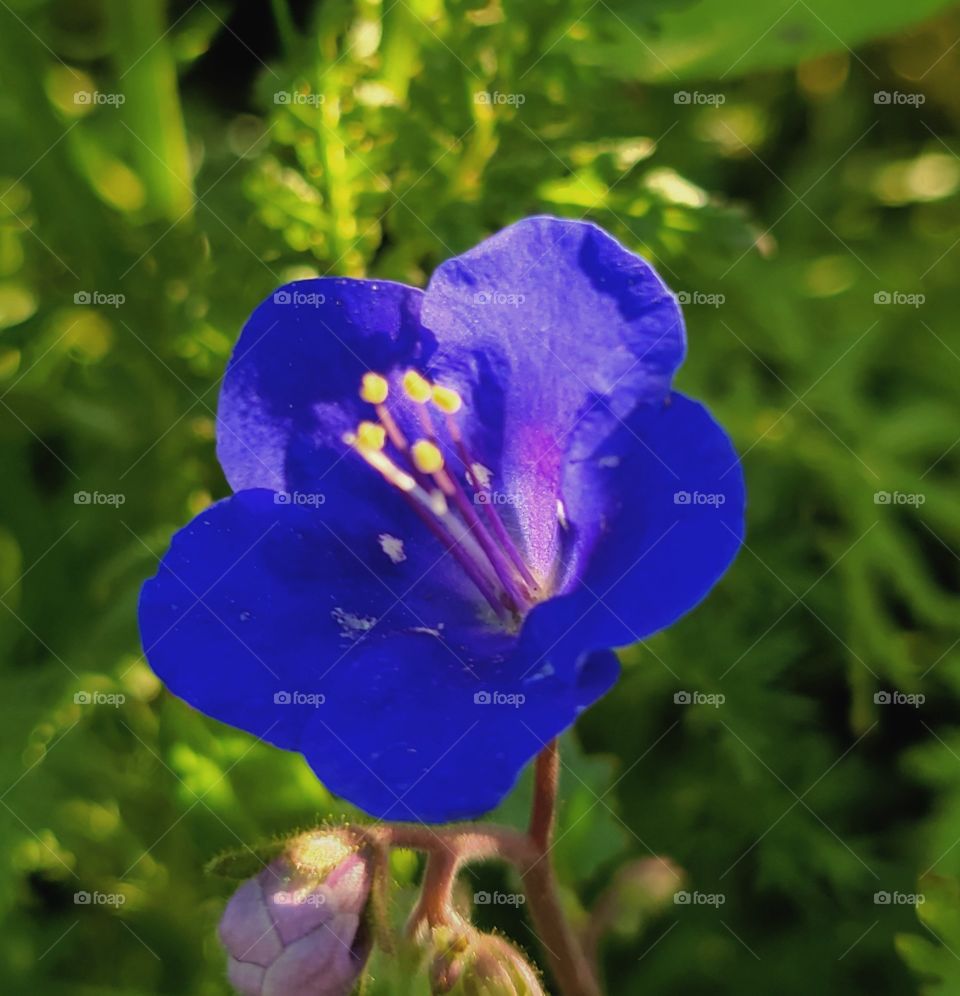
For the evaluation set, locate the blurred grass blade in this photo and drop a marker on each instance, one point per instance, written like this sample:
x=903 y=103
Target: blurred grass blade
x=147 y=74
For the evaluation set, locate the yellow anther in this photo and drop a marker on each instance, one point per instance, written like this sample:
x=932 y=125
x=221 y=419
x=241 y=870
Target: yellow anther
x=371 y=435
x=374 y=388
x=416 y=387
x=381 y=462
x=447 y=400
x=427 y=457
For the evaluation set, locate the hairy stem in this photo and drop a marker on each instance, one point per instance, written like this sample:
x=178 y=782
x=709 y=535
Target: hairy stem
x=436 y=905
x=448 y=849
x=567 y=958
x=468 y=841
x=543 y=812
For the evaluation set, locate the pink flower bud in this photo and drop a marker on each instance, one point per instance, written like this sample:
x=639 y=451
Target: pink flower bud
x=468 y=963
x=500 y=970
x=299 y=926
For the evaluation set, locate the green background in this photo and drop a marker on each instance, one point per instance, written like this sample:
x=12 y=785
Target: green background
x=815 y=230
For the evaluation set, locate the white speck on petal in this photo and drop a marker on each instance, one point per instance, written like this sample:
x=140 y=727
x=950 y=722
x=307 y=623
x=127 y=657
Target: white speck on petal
x=481 y=475
x=562 y=514
x=427 y=631
x=545 y=672
x=392 y=547
x=351 y=625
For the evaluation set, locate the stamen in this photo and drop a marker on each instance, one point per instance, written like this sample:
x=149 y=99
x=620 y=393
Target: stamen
x=454 y=545
x=434 y=501
x=417 y=388
x=374 y=388
x=478 y=476
x=432 y=509
x=485 y=551
x=502 y=567
x=429 y=460
x=447 y=400
x=371 y=435
x=392 y=429
x=416 y=392
x=382 y=463
x=427 y=457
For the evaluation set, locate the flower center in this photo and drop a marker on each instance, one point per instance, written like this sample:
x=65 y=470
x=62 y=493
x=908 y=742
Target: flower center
x=461 y=514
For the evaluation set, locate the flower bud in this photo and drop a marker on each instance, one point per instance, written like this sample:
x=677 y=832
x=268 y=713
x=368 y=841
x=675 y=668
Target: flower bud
x=638 y=890
x=500 y=970
x=451 y=953
x=299 y=926
x=468 y=963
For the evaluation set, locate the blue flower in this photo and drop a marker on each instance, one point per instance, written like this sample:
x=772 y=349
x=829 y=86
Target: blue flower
x=449 y=505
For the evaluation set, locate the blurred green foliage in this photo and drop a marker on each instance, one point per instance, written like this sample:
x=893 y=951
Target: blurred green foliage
x=163 y=169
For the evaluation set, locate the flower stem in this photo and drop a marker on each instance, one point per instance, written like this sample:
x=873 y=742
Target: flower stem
x=470 y=841
x=543 y=811
x=435 y=907
x=568 y=960
x=449 y=848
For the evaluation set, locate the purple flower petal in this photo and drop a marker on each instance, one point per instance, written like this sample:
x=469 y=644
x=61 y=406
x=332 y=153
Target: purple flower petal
x=295 y=371
x=552 y=331
x=401 y=695
x=658 y=512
